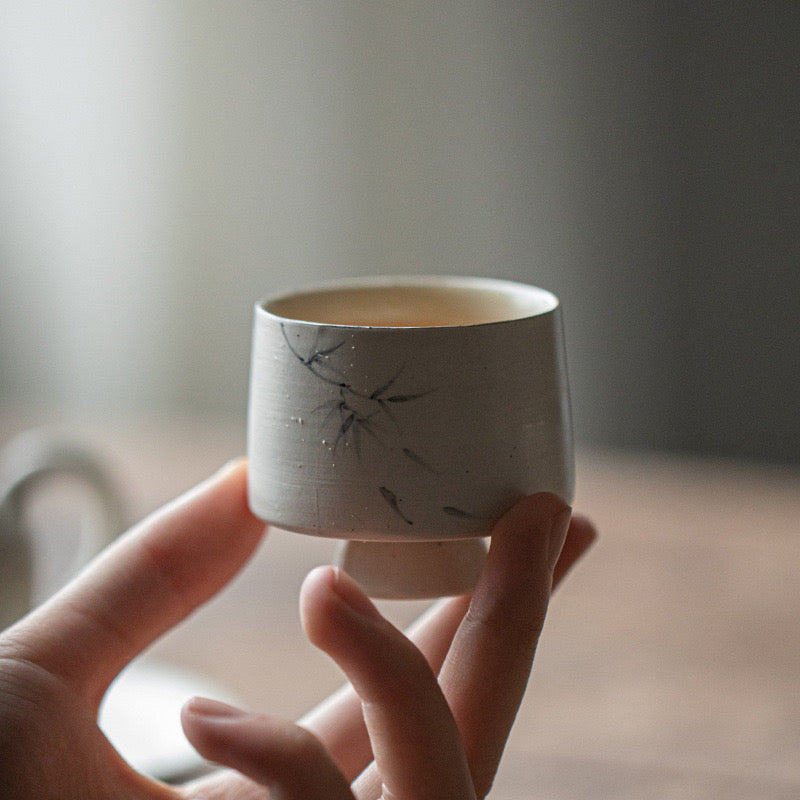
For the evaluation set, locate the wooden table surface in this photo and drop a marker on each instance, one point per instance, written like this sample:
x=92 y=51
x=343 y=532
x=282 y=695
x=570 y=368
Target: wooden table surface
x=670 y=662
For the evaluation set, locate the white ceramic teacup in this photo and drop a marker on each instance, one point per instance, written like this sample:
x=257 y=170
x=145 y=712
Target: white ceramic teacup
x=403 y=410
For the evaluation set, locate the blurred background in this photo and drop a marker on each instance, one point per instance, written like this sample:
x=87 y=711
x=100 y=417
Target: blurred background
x=164 y=165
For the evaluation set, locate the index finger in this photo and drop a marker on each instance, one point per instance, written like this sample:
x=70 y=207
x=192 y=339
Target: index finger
x=142 y=585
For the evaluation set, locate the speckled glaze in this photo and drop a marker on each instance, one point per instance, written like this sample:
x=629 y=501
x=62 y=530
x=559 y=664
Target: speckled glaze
x=403 y=409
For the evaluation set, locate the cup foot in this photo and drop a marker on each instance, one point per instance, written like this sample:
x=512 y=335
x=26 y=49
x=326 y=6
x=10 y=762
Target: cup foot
x=413 y=570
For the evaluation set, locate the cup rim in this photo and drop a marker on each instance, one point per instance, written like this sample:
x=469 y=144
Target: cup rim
x=528 y=300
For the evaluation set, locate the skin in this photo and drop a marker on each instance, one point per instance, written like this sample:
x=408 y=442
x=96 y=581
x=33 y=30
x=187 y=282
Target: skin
x=425 y=716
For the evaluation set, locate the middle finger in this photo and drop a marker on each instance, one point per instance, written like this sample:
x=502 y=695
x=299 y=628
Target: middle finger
x=417 y=748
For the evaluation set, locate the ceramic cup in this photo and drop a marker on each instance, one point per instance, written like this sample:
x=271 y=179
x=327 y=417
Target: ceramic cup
x=406 y=410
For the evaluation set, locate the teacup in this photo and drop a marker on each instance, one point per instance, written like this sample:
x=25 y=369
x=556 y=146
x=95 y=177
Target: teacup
x=407 y=410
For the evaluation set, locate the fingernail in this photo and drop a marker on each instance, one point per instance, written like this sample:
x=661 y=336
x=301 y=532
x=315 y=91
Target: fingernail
x=558 y=534
x=210 y=709
x=347 y=590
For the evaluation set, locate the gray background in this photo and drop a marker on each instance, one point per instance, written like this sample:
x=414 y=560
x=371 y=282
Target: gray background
x=163 y=165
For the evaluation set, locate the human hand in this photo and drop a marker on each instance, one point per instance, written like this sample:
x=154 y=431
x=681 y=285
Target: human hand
x=56 y=664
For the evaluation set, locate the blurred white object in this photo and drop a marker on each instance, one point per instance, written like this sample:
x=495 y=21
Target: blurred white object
x=32 y=465
x=44 y=470
x=140 y=716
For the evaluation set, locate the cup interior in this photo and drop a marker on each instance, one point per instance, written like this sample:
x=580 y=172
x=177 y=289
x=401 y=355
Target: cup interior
x=420 y=304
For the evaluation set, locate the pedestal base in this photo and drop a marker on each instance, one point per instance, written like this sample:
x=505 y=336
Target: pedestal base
x=413 y=570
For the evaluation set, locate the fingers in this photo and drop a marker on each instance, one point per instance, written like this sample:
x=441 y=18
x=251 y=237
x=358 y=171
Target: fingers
x=416 y=745
x=486 y=670
x=273 y=753
x=580 y=537
x=144 y=584
x=433 y=632
x=339 y=721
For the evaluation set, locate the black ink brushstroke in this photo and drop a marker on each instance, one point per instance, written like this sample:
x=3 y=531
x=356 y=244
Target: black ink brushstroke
x=408 y=453
x=391 y=498
x=357 y=412
x=457 y=512
x=353 y=417
x=452 y=511
x=376 y=395
x=316 y=359
x=405 y=398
